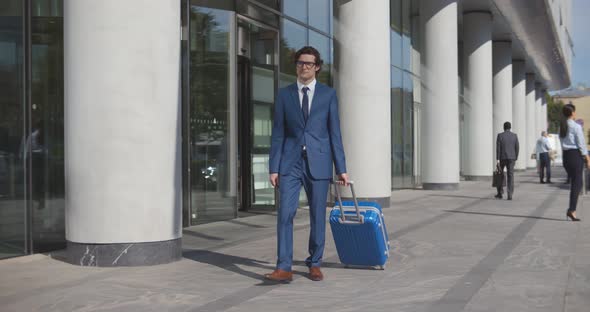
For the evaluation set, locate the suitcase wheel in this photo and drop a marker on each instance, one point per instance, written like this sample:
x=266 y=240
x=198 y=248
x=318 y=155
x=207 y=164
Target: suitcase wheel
x=382 y=267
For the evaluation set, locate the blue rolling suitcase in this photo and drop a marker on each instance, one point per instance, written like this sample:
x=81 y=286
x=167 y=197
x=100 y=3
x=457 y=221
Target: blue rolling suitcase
x=359 y=232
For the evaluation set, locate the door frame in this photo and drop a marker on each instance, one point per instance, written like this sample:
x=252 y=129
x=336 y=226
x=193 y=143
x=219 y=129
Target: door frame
x=245 y=188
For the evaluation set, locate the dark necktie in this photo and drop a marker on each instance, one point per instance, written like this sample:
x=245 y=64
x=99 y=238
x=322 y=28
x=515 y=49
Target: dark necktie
x=305 y=104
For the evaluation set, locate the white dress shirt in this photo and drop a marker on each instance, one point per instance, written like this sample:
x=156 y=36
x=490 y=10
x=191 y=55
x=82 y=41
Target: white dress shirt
x=574 y=138
x=310 y=93
x=542 y=146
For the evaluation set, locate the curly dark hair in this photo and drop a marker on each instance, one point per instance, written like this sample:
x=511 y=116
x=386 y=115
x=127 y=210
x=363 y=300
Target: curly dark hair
x=311 y=51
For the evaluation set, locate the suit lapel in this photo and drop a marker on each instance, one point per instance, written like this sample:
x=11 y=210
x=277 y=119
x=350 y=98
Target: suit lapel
x=295 y=103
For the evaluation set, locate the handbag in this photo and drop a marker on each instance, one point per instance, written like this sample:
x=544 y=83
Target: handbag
x=498 y=177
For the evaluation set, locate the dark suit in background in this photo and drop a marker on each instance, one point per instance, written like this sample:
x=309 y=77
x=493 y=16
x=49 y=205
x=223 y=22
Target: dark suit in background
x=507 y=153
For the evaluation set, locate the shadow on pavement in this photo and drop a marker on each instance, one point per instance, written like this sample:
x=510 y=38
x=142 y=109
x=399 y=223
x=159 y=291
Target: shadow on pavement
x=201 y=235
x=463 y=196
x=332 y=265
x=560 y=185
x=504 y=215
x=233 y=263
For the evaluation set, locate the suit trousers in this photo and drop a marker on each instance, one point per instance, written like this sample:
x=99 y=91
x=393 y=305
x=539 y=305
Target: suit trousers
x=509 y=165
x=574 y=165
x=317 y=194
x=545 y=166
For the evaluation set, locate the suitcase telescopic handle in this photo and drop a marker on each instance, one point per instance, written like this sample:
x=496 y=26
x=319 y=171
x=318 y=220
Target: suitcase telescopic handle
x=359 y=218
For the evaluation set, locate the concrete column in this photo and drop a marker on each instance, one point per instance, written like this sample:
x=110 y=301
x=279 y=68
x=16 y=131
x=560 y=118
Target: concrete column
x=519 y=111
x=478 y=92
x=544 y=119
x=539 y=109
x=531 y=132
x=417 y=82
x=365 y=80
x=461 y=115
x=502 y=86
x=122 y=136
x=440 y=120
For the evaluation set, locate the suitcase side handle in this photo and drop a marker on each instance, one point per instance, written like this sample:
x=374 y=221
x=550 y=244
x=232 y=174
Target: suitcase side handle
x=359 y=218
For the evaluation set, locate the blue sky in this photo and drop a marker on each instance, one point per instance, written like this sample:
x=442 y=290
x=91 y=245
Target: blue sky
x=581 y=38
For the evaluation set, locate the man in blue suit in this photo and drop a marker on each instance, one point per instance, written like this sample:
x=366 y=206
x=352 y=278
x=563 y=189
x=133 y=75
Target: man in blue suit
x=306 y=142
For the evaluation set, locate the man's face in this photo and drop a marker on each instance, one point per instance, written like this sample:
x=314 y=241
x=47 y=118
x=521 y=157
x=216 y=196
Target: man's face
x=306 y=68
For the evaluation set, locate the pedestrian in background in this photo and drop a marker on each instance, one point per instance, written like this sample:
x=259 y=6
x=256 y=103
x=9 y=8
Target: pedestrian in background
x=506 y=155
x=543 y=148
x=575 y=153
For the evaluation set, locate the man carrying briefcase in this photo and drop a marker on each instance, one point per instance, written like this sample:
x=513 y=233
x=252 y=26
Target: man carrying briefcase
x=506 y=155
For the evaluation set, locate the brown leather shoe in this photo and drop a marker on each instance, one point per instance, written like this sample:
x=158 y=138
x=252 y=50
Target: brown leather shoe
x=315 y=274
x=279 y=275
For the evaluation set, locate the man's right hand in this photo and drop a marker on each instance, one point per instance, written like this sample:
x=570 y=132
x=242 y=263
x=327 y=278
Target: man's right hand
x=274 y=179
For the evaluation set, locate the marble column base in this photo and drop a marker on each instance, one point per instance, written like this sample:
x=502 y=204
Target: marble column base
x=131 y=254
x=440 y=186
x=477 y=178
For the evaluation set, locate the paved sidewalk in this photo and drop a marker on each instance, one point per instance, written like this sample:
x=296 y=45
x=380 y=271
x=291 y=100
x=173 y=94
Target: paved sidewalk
x=452 y=251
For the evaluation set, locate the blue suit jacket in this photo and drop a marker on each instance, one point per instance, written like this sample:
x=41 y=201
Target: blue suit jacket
x=320 y=135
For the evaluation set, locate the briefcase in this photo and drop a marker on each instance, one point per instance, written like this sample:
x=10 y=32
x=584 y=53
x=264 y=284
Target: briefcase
x=359 y=232
x=498 y=179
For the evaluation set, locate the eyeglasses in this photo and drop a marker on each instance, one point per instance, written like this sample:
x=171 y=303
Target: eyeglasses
x=307 y=65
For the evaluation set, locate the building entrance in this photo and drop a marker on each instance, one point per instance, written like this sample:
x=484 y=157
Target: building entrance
x=257 y=73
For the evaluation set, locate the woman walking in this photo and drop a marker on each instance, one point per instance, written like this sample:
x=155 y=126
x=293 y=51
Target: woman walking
x=575 y=153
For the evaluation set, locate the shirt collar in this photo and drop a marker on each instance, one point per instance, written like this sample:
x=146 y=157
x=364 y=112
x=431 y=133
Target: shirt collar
x=311 y=85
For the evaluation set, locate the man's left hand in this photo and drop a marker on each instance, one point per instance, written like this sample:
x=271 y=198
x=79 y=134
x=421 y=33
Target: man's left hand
x=343 y=179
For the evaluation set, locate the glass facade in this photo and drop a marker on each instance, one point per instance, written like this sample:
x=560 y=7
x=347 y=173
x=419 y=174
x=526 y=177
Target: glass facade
x=31 y=127
x=404 y=74
x=303 y=23
x=238 y=54
x=306 y=22
x=210 y=108
x=47 y=116
x=13 y=169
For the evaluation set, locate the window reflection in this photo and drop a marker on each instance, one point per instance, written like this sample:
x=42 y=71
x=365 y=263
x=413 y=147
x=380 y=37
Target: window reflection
x=296 y=9
x=396 y=33
x=47 y=154
x=406 y=29
x=31 y=155
x=402 y=94
x=262 y=47
x=12 y=164
x=322 y=44
x=210 y=107
x=293 y=38
x=397 y=127
x=408 y=131
x=320 y=16
x=274 y=4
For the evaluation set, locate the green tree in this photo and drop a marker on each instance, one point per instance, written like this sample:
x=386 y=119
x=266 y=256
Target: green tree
x=553 y=113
